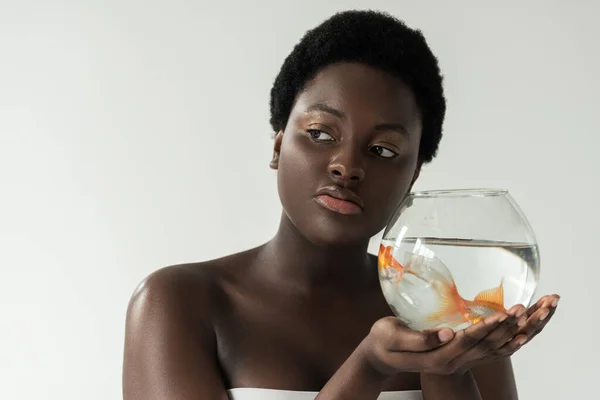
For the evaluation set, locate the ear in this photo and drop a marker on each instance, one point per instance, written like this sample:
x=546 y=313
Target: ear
x=274 y=164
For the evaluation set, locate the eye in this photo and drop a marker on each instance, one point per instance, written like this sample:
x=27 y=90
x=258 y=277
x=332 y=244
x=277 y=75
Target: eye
x=320 y=136
x=383 y=152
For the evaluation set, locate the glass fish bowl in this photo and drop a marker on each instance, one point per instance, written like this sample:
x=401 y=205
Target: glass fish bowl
x=451 y=258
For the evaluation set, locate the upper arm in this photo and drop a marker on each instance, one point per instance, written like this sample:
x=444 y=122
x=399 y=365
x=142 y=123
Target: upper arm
x=170 y=347
x=496 y=380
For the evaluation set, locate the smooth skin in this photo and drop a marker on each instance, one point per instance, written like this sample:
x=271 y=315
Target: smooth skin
x=305 y=310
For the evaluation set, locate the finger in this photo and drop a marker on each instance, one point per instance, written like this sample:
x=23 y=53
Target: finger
x=487 y=346
x=452 y=354
x=503 y=333
x=513 y=333
x=537 y=322
x=405 y=347
x=536 y=306
x=518 y=314
x=419 y=351
x=397 y=337
x=538 y=319
x=545 y=301
x=517 y=310
x=536 y=314
x=511 y=347
x=413 y=341
x=471 y=336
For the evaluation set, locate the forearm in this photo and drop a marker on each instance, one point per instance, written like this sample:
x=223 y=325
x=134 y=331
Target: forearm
x=353 y=380
x=450 y=387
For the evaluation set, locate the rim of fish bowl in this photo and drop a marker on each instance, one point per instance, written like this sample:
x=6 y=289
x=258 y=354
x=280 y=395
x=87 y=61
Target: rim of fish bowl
x=472 y=192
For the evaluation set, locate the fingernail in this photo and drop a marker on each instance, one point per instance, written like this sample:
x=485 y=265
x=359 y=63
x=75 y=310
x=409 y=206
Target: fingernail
x=503 y=318
x=544 y=315
x=445 y=335
x=520 y=313
x=521 y=322
x=521 y=341
x=555 y=303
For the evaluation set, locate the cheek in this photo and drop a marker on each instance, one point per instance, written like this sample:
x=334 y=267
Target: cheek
x=389 y=188
x=298 y=172
x=298 y=158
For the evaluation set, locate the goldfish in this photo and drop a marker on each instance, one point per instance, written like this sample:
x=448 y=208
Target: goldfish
x=386 y=260
x=453 y=309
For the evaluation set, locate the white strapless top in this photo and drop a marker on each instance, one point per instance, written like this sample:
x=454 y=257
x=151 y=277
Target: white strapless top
x=276 y=394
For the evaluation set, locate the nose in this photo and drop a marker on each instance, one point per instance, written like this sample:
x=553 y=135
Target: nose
x=346 y=168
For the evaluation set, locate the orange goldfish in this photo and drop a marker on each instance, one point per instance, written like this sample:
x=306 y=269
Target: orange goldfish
x=453 y=308
x=386 y=260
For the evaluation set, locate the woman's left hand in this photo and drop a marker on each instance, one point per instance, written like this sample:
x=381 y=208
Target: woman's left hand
x=538 y=315
x=479 y=344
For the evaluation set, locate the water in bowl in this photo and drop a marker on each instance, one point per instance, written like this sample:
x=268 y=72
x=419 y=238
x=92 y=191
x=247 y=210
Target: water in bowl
x=488 y=276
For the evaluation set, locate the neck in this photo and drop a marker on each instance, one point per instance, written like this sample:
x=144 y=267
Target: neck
x=306 y=266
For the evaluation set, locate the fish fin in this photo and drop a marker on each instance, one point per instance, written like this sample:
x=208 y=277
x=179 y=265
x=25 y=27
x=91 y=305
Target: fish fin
x=448 y=303
x=494 y=296
x=445 y=320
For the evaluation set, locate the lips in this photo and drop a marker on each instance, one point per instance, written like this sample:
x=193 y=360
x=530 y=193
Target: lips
x=340 y=200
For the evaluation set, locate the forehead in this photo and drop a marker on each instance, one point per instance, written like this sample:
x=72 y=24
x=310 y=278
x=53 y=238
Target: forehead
x=360 y=90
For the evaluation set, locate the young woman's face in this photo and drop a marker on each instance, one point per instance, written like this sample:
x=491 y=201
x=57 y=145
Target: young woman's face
x=353 y=133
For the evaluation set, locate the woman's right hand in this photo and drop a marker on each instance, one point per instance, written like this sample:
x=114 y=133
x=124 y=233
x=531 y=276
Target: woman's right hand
x=391 y=347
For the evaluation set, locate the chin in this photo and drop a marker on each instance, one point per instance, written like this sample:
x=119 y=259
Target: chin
x=324 y=227
x=336 y=231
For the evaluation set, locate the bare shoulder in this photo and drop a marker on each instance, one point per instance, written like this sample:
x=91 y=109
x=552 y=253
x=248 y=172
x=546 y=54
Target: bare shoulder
x=170 y=343
x=177 y=285
x=197 y=287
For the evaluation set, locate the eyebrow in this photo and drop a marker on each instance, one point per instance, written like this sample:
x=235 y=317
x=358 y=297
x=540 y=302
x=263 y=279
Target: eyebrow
x=392 y=126
x=397 y=127
x=327 y=109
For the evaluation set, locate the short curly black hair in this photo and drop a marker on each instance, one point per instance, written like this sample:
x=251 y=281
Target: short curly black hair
x=379 y=40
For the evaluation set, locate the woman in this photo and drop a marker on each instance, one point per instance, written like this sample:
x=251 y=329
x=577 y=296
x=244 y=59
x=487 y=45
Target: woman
x=357 y=108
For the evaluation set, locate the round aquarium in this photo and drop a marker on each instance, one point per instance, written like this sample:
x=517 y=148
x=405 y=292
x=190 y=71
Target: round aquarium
x=451 y=258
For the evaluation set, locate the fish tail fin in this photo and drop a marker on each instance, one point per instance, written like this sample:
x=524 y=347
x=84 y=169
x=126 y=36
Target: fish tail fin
x=493 y=296
x=450 y=305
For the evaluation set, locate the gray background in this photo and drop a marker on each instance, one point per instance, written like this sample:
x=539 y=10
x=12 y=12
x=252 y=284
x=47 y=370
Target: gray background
x=134 y=135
